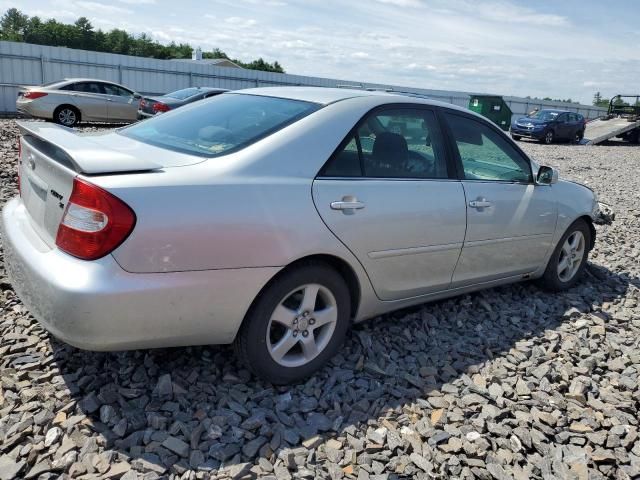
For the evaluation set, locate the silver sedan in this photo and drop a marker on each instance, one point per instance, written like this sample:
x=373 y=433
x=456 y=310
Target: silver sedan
x=73 y=100
x=275 y=217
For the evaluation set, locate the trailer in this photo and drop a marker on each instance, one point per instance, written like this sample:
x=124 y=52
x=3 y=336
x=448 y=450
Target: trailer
x=622 y=121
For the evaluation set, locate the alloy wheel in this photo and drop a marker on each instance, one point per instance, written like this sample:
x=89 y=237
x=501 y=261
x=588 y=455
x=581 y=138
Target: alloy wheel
x=548 y=137
x=302 y=324
x=571 y=256
x=67 y=117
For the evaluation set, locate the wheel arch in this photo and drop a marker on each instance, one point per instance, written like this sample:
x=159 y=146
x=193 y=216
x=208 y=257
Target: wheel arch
x=589 y=221
x=340 y=265
x=70 y=105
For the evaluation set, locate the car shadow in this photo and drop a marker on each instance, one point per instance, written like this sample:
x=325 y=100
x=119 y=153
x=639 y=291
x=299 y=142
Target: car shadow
x=217 y=415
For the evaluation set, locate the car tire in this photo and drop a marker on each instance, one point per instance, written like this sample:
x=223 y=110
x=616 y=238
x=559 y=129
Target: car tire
x=548 y=137
x=516 y=137
x=577 y=138
x=313 y=306
x=571 y=251
x=66 y=115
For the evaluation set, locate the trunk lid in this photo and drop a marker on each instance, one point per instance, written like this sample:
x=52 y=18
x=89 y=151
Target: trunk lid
x=51 y=157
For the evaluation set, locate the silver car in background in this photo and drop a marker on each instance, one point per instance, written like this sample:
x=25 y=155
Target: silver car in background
x=74 y=100
x=276 y=217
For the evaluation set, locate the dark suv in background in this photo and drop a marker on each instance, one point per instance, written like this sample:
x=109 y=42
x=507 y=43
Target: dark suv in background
x=550 y=125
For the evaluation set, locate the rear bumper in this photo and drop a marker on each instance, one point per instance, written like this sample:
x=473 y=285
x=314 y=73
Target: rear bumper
x=98 y=306
x=34 y=109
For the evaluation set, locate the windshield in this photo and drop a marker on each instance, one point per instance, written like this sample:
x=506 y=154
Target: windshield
x=226 y=123
x=545 y=115
x=184 y=93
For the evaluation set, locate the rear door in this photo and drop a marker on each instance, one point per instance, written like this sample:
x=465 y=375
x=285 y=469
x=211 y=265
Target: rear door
x=575 y=124
x=387 y=194
x=121 y=103
x=90 y=99
x=510 y=220
x=563 y=126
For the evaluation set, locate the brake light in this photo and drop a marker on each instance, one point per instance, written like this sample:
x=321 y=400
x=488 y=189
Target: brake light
x=94 y=223
x=160 y=107
x=33 y=95
x=19 y=162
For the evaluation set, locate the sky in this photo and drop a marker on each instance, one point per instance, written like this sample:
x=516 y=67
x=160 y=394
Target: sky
x=559 y=49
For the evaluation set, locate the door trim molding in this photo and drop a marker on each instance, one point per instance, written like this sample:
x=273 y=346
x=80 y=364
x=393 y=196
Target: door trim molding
x=413 y=250
x=478 y=243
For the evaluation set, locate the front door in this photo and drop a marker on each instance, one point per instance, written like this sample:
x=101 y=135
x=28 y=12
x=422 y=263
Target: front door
x=510 y=220
x=388 y=196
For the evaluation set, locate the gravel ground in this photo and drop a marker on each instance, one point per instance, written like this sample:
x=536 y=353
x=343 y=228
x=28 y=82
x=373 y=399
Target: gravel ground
x=506 y=383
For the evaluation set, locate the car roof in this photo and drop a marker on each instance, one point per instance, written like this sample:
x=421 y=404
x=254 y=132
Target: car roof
x=325 y=96
x=555 y=110
x=67 y=81
x=208 y=89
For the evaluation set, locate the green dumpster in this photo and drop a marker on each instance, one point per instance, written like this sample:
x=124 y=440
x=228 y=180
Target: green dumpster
x=493 y=107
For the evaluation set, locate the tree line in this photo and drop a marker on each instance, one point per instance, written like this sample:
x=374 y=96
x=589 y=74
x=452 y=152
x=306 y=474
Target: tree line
x=16 y=26
x=600 y=101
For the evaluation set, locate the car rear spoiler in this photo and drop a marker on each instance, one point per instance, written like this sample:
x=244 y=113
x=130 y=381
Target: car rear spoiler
x=79 y=152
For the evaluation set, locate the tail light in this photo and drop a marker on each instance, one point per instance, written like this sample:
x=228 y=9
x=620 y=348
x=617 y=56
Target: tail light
x=160 y=107
x=94 y=223
x=33 y=95
x=19 y=161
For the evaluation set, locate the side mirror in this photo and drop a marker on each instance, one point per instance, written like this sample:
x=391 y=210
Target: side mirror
x=547 y=176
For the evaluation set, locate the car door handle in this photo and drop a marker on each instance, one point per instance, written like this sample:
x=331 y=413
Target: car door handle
x=480 y=203
x=109 y=99
x=347 y=205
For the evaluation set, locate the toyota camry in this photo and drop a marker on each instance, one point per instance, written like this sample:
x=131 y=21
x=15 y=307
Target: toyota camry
x=275 y=218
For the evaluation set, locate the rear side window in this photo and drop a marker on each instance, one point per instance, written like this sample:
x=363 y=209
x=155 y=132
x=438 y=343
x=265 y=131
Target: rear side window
x=225 y=124
x=485 y=154
x=392 y=143
x=116 y=90
x=87 y=87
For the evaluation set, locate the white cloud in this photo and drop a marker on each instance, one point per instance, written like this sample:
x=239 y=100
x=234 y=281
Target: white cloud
x=102 y=8
x=403 y=3
x=360 y=55
x=138 y=2
x=242 y=22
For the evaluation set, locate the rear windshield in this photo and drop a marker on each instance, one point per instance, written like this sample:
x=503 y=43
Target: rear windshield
x=226 y=123
x=185 y=93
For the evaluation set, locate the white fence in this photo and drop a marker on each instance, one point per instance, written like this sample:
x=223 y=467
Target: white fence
x=28 y=64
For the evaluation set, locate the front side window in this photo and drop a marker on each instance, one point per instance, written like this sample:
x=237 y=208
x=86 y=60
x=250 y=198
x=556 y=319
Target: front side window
x=393 y=143
x=227 y=123
x=485 y=154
